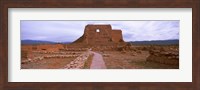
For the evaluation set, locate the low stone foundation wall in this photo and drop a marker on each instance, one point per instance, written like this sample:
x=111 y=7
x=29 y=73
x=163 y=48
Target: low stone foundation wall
x=32 y=60
x=46 y=55
x=79 y=62
x=60 y=56
x=53 y=52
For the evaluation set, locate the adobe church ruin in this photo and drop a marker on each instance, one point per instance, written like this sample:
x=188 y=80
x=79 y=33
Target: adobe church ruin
x=100 y=35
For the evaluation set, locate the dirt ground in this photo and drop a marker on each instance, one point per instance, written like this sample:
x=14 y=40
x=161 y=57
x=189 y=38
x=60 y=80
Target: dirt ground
x=52 y=63
x=131 y=60
x=137 y=57
x=56 y=62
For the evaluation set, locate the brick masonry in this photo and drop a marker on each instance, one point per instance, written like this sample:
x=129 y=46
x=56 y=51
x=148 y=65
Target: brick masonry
x=99 y=35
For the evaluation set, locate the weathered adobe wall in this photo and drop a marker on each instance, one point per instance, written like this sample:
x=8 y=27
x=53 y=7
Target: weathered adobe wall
x=93 y=37
x=117 y=36
x=105 y=36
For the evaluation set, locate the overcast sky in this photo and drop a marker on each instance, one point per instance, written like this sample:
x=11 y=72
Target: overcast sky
x=68 y=31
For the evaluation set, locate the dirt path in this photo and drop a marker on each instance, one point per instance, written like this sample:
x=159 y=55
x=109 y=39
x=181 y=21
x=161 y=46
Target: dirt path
x=97 y=61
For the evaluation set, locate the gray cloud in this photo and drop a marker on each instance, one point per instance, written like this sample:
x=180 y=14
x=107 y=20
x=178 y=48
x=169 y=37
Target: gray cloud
x=61 y=31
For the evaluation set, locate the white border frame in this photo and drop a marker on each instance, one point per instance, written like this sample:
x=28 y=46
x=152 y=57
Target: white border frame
x=183 y=74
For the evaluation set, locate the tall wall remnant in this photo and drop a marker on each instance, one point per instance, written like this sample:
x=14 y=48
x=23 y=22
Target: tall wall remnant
x=100 y=35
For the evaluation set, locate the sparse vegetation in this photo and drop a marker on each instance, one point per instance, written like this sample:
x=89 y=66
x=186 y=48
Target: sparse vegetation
x=139 y=57
x=88 y=62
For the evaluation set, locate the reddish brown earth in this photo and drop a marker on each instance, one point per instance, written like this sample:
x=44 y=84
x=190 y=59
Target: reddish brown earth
x=47 y=59
x=137 y=58
x=134 y=57
x=47 y=63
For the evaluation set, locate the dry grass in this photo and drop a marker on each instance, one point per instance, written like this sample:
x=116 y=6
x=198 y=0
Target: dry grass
x=120 y=60
x=132 y=60
x=88 y=62
x=153 y=65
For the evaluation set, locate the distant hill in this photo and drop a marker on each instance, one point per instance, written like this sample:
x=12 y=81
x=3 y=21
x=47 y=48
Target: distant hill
x=26 y=42
x=156 y=42
x=36 y=42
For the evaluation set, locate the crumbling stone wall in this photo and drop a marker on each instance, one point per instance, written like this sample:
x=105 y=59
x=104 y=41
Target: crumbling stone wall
x=169 y=57
x=79 y=62
x=98 y=35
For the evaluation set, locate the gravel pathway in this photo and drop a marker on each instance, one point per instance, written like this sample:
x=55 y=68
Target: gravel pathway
x=97 y=62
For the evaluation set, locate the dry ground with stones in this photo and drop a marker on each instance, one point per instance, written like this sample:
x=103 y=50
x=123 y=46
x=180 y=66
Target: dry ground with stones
x=143 y=57
x=134 y=57
x=42 y=59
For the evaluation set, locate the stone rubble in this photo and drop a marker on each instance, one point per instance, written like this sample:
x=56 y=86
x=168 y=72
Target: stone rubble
x=60 y=56
x=169 y=57
x=50 y=55
x=33 y=60
x=79 y=62
x=53 y=52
